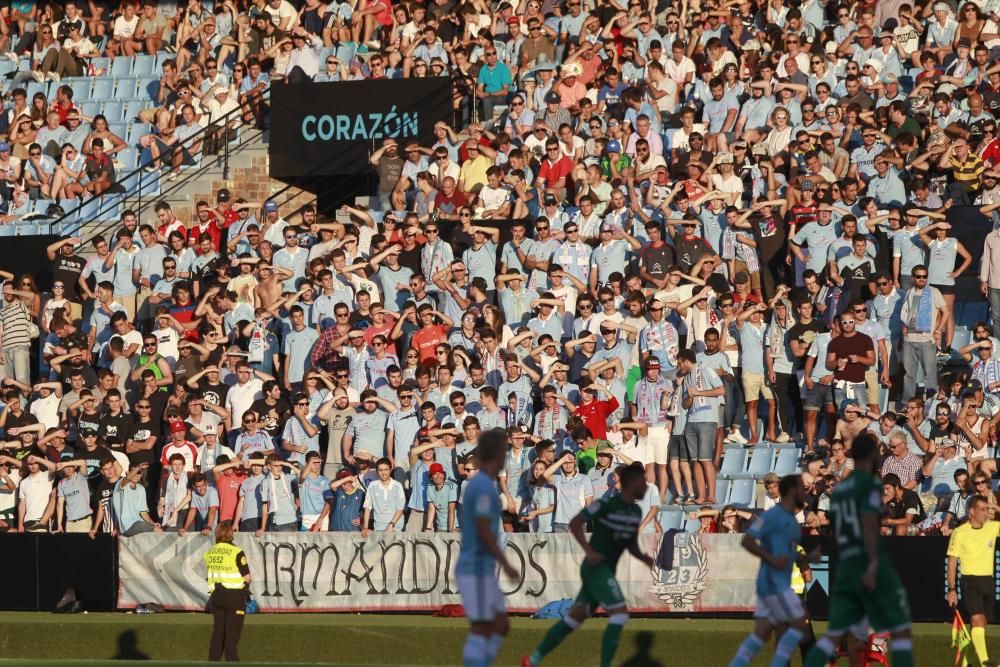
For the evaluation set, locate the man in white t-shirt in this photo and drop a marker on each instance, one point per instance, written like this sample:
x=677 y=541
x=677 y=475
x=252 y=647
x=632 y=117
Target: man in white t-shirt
x=35 y=491
x=248 y=388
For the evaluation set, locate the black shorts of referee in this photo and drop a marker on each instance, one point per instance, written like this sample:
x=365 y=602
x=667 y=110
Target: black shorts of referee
x=978 y=594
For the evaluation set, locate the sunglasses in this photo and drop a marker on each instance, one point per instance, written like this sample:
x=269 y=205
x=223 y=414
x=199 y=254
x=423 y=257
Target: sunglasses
x=846 y=322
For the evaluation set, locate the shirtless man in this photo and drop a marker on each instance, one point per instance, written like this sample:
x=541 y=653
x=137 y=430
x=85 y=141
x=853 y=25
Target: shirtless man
x=269 y=286
x=855 y=420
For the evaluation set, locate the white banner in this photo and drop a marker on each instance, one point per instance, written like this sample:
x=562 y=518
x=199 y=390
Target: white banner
x=298 y=572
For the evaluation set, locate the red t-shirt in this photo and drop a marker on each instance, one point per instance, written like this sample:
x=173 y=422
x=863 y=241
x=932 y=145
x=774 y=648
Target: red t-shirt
x=426 y=340
x=595 y=416
x=212 y=229
x=553 y=171
x=228 y=487
x=373 y=331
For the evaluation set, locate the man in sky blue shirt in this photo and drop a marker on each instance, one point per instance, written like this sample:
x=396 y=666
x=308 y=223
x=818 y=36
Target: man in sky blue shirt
x=493 y=82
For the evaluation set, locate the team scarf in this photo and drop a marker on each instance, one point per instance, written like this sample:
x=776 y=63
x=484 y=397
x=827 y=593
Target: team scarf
x=648 y=401
x=987 y=372
x=433 y=261
x=548 y=422
x=663 y=336
x=733 y=248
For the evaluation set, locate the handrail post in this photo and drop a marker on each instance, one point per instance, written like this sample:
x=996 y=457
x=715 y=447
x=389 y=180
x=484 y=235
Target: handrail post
x=138 y=207
x=225 y=159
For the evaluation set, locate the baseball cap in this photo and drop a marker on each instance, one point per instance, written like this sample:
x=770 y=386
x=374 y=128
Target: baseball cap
x=552 y=97
x=652 y=362
x=436 y=468
x=208 y=429
x=947 y=442
x=889 y=77
x=270 y=206
x=724 y=158
x=4 y=147
x=423 y=434
x=964 y=41
x=513 y=19
x=876 y=64
x=87 y=432
x=605 y=448
x=346 y=473
x=614 y=146
x=224 y=195
x=177 y=427
x=973 y=386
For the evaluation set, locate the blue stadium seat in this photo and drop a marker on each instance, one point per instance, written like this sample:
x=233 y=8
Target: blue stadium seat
x=121 y=67
x=787 y=461
x=742 y=493
x=90 y=109
x=104 y=89
x=136 y=132
x=161 y=58
x=144 y=65
x=91 y=210
x=691 y=525
x=147 y=87
x=671 y=519
x=111 y=208
x=101 y=62
x=761 y=460
x=72 y=209
x=132 y=109
x=129 y=158
x=125 y=88
x=972 y=312
x=65 y=228
x=8 y=230
x=29 y=228
x=962 y=337
x=112 y=110
x=722 y=490
x=120 y=128
x=7 y=66
x=733 y=463
x=35 y=87
x=80 y=87
x=41 y=205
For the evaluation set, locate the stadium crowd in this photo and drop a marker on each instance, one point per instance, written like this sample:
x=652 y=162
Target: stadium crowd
x=652 y=232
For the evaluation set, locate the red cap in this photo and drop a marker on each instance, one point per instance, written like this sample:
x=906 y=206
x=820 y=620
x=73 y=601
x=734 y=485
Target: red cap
x=177 y=427
x=437 y=468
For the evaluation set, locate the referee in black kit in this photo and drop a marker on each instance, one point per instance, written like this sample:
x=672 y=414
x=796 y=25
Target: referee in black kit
x=229 y=585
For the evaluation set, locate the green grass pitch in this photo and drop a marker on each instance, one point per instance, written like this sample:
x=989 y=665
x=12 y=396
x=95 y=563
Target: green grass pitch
x=349 y=639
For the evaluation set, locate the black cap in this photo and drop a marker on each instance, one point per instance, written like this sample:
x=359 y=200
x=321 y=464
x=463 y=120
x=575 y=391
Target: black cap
x=224 y=195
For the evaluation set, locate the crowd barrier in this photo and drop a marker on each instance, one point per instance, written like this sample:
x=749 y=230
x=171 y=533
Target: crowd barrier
x=711 y=575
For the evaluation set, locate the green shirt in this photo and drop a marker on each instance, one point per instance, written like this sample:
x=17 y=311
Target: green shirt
x=859 y=494
x=615 y=523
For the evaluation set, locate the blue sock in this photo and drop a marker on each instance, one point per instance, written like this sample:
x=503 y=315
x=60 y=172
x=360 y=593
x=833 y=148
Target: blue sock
x=786 y=646
x=747 y=650
x=474 y=651
x=493 y=645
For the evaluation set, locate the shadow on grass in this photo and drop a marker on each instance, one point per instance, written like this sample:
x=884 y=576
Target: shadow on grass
x=642 y=657
x=128 y=647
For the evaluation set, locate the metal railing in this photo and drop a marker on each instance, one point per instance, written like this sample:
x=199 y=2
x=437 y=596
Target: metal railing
x=221 y=123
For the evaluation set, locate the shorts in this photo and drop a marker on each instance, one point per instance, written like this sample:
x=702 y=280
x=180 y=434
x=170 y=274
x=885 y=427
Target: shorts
x=946 y=289
x=79 y=525
x=740 y=265
x=978 y=594
x=657 y=442
x=700 y=438
x=816 y=398
x=871 y=387
x=754 y=386
x=481 y=597
x=783 y=607
x=599 y=588
x=886 y=607
x=677 y=450
x=309 y=520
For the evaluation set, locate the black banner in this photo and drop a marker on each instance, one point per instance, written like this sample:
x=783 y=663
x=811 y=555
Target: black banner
x=40 y=567
x=331 y=128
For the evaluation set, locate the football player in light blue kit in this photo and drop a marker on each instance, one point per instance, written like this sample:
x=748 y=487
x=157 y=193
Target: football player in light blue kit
x=476 y=569
x=773 y=538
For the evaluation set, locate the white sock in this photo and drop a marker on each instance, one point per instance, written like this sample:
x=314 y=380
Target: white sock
x=474 y=651
x=783 y=651
x=747 y=650
x=493 y=645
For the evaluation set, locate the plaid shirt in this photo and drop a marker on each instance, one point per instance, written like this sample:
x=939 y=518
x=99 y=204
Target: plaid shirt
x=906 y=467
